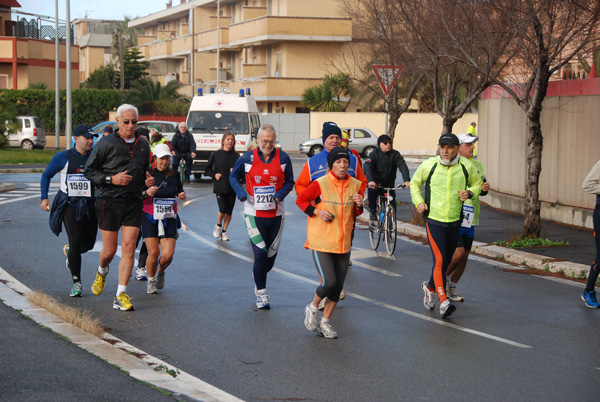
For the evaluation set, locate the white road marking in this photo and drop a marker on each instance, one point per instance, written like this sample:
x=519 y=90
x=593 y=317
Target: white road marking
x=364 y=298
x=19 y=199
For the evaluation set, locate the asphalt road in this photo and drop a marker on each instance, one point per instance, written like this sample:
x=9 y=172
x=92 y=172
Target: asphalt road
x=516 y=337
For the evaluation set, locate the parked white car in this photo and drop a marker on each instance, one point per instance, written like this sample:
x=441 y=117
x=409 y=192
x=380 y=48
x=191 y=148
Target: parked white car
x=361 y=139
x=167 y=128
x=32 y=133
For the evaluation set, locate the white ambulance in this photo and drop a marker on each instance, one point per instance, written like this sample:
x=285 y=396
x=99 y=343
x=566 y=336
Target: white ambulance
x=213 y=114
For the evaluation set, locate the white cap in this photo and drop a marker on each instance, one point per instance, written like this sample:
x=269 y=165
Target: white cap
x=467 y=138
x=162 y=150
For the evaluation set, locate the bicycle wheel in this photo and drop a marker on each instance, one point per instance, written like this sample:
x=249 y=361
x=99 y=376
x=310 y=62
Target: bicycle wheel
x=182 y=172
x=390 y=231
x=374 y=233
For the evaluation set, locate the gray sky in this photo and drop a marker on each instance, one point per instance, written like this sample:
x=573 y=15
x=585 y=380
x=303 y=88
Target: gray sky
x=99 y=9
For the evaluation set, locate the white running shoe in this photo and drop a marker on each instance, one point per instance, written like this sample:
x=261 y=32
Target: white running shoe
x=322 y=303
x=141 y=274
x=324 y=329
x=217 y=231
x=151 y=286
x=343 y=294
x=446 y=308
x=454 y=295
x=262 y=300
x=428 y=297
x=224 y=236
x=310 y=318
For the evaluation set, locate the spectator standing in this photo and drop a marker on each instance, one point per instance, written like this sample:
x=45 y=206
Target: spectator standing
x=591 y=185
x=184 y=146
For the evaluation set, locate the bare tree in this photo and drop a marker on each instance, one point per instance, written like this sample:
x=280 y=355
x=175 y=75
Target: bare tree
x=442 y=32
x=379 y=38
x=547 y=35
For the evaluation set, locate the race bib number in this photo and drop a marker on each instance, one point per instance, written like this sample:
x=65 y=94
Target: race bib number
x=164 y=208
x=468 y=215
x=78 y=186
x=264 y=198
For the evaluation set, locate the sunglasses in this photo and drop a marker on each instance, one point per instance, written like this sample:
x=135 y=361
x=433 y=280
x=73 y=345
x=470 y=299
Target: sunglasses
x=386 y=142
x=128 y=122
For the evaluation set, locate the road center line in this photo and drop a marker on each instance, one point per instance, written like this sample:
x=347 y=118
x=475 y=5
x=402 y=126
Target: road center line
x=363 y=298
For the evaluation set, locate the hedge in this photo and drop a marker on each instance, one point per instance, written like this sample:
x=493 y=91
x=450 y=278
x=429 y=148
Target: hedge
x=90 y=106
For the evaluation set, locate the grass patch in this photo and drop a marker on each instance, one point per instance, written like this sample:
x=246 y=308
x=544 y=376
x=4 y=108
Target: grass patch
x=527 y=242
x=79 y=318
x=14 y=156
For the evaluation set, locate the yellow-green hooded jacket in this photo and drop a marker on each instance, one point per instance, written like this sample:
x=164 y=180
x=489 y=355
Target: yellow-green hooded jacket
x=442 y=184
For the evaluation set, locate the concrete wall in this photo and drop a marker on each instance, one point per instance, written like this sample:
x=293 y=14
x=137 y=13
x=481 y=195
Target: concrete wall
x=416 y=133
x=571 y=143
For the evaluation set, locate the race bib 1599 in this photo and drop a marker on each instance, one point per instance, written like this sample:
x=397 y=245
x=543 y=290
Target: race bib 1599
x=78 y=186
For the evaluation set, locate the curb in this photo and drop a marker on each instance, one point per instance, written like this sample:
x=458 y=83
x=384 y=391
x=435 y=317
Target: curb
x=7 y=187
x=567 y=268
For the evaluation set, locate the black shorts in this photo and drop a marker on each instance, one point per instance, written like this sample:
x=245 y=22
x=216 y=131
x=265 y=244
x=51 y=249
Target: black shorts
x=114 y=214
x=150 y=229
x=466 y=237
x=226 y=203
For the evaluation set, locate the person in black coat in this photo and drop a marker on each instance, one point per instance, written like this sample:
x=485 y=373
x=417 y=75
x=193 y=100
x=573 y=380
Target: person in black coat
x=219 y=166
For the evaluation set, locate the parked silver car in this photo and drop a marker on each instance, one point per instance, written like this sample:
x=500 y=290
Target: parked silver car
x=361 y=139
x=167 y=128
x=32 y=133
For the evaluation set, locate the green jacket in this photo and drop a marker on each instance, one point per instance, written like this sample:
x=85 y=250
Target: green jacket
x=475 y=200
x=444 y=201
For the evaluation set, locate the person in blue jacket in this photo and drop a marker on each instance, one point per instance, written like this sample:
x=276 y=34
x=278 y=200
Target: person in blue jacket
x=74 y=203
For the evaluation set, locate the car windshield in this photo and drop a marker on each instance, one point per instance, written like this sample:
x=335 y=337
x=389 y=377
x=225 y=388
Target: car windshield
x=218 y=122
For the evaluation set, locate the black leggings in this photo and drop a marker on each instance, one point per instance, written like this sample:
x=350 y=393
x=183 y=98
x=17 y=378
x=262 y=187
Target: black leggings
x=333 y=269
x=593 y=275
x=442 y=242
x=82 y=237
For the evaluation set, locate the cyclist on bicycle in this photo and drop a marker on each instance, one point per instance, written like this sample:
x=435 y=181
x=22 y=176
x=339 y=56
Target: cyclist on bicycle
x=380 y=169
x=184 y=146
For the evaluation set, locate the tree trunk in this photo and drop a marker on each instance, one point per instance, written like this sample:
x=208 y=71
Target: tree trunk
x=122 y=67
x=535 y=143
x=447 y=124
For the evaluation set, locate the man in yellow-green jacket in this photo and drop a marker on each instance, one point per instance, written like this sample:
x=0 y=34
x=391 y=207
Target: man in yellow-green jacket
x=448 y=181
x=467 y=230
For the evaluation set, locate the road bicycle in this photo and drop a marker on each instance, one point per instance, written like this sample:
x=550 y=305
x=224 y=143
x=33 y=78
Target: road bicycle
x=386 y=220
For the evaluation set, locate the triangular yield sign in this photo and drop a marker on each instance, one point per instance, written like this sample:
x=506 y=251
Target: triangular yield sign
x=387 y=75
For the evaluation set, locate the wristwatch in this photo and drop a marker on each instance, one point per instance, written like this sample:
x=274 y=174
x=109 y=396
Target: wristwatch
x=470 y=194
x=108 y=179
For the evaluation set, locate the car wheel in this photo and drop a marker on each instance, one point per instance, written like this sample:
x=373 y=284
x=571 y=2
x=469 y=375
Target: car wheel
x=367 y=151
x=26 y=144
x=315 y=149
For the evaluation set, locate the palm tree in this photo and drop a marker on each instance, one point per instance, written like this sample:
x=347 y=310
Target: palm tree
x=326 y=97
x=147 y=90
x=123 y=38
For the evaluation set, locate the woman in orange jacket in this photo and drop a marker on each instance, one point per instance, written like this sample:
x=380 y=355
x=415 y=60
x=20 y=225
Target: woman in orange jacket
x=329 y=228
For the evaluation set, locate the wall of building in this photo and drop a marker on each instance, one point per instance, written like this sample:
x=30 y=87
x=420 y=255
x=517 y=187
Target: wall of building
x=416 y=133
x=571 y=142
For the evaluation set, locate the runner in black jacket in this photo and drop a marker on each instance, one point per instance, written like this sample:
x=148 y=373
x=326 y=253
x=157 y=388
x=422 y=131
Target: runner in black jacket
x=380 y=169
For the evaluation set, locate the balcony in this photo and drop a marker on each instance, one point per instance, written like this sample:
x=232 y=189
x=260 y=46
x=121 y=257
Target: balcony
x=275 y=87
x=159 y=50
x=254 y=70
x=182 y=45
x=272 y=29
x=207 y=40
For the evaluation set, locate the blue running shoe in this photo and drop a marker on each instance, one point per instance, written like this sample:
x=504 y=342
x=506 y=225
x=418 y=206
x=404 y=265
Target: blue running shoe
x=589 y=298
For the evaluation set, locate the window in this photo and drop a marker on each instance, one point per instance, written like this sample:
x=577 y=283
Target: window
x=358 y=133
x=27 y=123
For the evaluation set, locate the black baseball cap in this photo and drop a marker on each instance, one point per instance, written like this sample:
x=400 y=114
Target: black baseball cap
x=84 y=130
x=449 y=139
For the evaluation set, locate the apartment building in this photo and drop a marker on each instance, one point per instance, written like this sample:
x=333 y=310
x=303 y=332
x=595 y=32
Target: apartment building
x=27 y=50
x=276 y=48
x=94 y=38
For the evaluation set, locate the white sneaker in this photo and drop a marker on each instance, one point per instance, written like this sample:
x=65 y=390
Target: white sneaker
x=428 y=297
x=454 y=295
x=217 y=232
x=224 y=236
x=141 y=274
x=446 y=308
x=322 y=303
x=343 y=294
x=310 y=318
x=262 y=300
x=324 y=329
x=151 y=286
